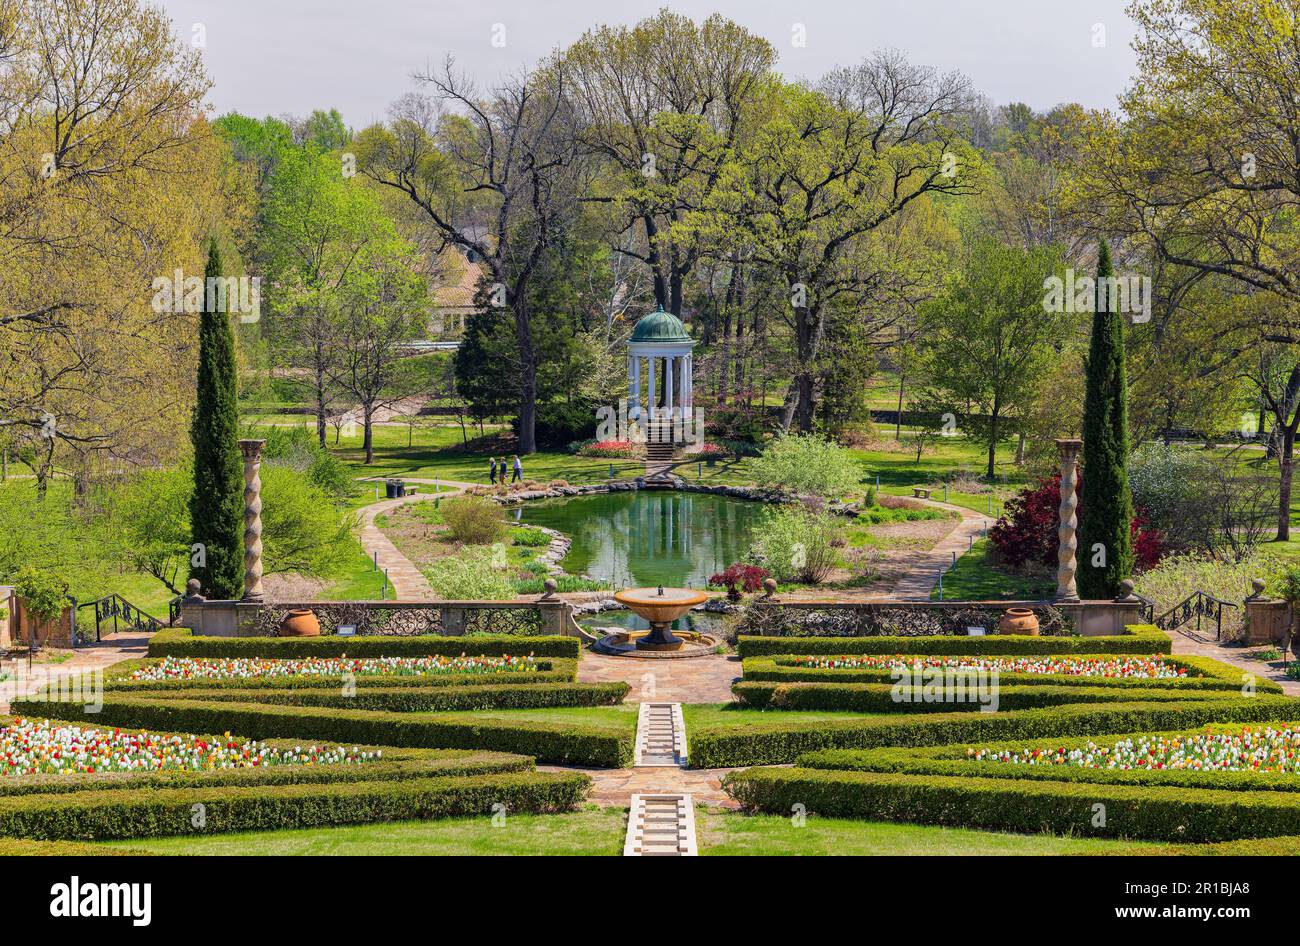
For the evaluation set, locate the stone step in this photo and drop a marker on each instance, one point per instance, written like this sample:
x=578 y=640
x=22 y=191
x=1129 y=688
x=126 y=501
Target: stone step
x=661 y=825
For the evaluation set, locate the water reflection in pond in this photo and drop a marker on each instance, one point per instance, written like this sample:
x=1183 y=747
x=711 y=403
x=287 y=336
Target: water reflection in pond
x=648 y=537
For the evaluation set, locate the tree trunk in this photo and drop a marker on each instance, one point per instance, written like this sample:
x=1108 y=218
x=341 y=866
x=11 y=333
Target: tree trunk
x=898 y=418
x=1020 y=450
x=993 y=438
x=368 y=436
x=320 y=403
x=1284 y=486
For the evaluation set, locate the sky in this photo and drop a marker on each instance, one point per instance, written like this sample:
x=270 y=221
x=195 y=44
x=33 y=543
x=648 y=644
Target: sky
x=274 y=57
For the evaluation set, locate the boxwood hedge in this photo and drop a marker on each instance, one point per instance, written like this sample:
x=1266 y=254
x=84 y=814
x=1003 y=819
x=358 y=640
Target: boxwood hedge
x=549 y=670
x=408 y=699
x=1205 y=673
x=884 y=698
x=180 y=642
x=759 y=743
x=571 y=744
x=127 y=813
x=1138 y=639
x=1129 y=811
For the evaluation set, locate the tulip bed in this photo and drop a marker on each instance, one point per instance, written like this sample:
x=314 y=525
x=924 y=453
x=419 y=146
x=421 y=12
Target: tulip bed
x=180 y=642
x=1182 y=674
x=1137 y=639
x=127 y=676
x=336 y=719
x=209 y=784
x=756 y=742
x=240 y=668
x=1216 y=783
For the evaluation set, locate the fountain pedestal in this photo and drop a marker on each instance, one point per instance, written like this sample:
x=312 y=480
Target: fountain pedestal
x=660 y=606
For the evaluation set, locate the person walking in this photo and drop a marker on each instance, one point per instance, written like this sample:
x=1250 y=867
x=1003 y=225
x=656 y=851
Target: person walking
x=519 y=471
x=492 y=472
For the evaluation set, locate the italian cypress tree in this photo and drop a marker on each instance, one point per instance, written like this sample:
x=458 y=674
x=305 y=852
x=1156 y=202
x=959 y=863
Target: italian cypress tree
x=1106 y=505
x=217 y=504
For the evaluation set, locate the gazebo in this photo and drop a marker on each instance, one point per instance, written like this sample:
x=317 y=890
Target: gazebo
x=660 y=350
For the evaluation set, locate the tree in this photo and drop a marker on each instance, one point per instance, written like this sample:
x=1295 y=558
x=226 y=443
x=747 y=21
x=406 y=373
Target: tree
x=807 y=466
x=108 y=175
x=985 y=341
x=1203 y=166
x=217 y=503
x=828 y=173
x=385 y=304
x=317 y=226
x=663 y=104
x=1105 y=541
x=497 y=181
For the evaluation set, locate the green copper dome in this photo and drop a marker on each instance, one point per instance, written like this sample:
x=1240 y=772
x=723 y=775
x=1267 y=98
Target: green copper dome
x=660 y=326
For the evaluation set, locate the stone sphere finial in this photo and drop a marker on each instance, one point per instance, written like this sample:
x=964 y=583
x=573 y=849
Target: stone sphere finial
x=193 y=588
x=1125 y=590
x=549 y=586
x=769 y=587
x=1257 y=586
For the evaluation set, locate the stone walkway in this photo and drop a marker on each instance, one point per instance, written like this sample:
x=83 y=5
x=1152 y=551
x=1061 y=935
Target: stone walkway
x=923 y=574
x=686 y=680
x=111 y=649
x=1205 y=645
x=408 y=584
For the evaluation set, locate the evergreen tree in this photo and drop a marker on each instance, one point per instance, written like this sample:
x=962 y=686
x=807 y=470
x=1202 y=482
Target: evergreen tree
x=217 y=504
x=1106 y=503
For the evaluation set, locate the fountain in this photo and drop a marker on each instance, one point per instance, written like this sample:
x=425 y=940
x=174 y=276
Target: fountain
x=660 y=607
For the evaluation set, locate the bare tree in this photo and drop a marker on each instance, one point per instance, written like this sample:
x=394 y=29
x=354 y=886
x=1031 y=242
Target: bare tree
x=496 y=178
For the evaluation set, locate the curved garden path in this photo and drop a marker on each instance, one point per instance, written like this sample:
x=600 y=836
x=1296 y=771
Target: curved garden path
x=407 y=581
x=924 y=567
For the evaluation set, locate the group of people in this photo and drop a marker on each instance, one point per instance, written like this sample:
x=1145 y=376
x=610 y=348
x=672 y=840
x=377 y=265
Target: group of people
x=495 y=469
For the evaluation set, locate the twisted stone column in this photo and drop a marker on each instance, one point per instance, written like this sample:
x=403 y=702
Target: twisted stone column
x=1068 y=451
x=252 y=450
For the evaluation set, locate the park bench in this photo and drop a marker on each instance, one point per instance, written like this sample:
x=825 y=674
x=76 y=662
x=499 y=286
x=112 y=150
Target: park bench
x=921 y=492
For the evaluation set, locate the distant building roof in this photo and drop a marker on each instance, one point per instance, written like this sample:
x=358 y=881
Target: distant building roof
x=460 y=282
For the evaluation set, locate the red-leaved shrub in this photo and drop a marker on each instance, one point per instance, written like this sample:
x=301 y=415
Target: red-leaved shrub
x=1026 y=533
x=739 y=577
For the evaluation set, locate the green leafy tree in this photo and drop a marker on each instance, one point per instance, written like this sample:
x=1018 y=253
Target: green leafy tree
x=1105 y=543
x=217 y=503
x=807 y=465
x=987 y=338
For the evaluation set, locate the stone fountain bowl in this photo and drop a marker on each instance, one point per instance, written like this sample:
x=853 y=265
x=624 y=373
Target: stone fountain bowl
x=660 y=608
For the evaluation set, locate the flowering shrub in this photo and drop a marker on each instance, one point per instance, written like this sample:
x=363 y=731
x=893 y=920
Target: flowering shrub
x=1251 y=750
x=1152 y=667
x=611 y=449
x=46 y=748
x=475 y=520
x=230 y=668
x=1025 y=536
x=739 y=577
x=707 y=450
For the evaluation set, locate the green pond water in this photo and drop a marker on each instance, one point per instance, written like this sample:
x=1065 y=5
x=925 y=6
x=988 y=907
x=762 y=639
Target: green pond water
x=642 y=538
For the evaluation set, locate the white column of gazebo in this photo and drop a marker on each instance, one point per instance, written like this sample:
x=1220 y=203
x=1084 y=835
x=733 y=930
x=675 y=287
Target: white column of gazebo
x=659 y=352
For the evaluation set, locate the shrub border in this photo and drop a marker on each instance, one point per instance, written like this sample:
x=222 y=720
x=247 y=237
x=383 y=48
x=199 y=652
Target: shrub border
x=181 y=642
x=1136 y=639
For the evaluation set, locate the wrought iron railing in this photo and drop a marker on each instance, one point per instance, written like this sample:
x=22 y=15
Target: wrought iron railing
x=1198 y=605
x=122 y=613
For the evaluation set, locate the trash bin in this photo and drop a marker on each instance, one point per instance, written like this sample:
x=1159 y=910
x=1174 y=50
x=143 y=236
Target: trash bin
x=394 y=488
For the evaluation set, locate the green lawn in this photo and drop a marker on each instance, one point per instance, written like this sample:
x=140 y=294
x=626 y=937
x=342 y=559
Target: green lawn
x=622 y=716
x=712 y=715
x=729 y=833
x=593 y=831
x=597 y=831
x=975 y=579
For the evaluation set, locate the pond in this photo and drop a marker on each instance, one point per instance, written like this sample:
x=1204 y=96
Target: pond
x=641 y=538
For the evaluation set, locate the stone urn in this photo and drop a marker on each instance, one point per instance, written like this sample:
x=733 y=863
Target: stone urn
x=1018 y=621
x=300 y=622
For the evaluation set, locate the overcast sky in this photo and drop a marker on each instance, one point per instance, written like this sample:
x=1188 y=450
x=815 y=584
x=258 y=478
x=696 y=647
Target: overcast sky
x=269 y=57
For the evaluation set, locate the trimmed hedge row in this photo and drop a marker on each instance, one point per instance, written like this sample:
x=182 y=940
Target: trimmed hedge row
x=598 y=746
x=1139 y=812
x=180 y=642
x=1212 y=675
x=1139 y=639
x=126 y=813
x=883 y=698
x=952 y=760
x=419 y=699
x=776 y=743
x=550 y=670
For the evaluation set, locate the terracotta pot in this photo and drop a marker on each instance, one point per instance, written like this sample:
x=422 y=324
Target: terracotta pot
x=1018 y=621
x=300 y=623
